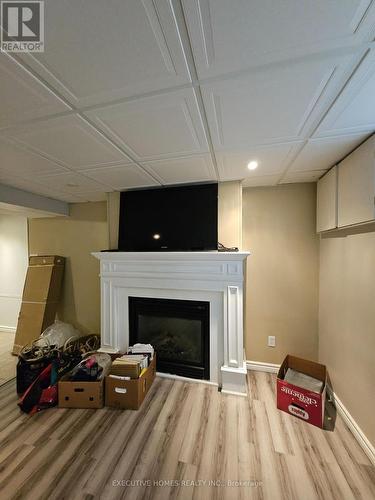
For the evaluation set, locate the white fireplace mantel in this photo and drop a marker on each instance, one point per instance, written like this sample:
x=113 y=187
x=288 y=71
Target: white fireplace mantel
x=216 y=277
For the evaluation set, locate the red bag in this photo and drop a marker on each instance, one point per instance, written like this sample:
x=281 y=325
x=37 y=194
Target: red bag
x=41 y=394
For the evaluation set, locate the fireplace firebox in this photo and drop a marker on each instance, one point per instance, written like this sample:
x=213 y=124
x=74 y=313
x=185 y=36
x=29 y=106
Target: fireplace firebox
x=178 y=330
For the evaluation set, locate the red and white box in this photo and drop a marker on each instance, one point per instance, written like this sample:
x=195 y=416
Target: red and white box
x=302 y=403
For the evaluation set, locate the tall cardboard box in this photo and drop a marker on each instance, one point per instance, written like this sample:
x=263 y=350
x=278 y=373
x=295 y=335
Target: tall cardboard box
x=40 y=298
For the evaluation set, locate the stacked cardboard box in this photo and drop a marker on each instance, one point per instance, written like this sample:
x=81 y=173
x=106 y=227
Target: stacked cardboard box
x=40 y=298
x=128 y=393
x=129 y=365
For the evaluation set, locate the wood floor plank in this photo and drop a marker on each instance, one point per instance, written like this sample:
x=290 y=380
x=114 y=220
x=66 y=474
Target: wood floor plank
x=187 y=441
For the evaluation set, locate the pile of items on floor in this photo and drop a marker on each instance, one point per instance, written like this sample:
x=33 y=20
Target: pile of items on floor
x=65 y=368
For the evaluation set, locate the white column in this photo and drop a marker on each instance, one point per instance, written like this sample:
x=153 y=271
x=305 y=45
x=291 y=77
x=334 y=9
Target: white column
x=108 y=334
x=233 y=371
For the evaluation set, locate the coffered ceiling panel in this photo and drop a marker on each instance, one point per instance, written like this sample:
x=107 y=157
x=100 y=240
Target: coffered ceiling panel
x=21 y=162
x=271 y=105
x=73 y=183
x=23 y=97
x=232 y=35
x=324 y=153
x=92 y=196
x=70 y=141
x=155 y=127
x=261 y=180
x=33 y=186
x=105 y=50
x=178 y=170
x=125 y=97
x=123 y=177
x=306 y=176
x=271 y=160
x=354 y=109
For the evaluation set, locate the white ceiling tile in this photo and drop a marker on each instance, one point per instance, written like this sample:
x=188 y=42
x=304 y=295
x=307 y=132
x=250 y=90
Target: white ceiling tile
x=232 y=35
x=271 y=160
x=110 y=50
x=180 y=170
x=155 y=127
x=34 y=186
x=122 y=177
x=21 y=162
x=318 y=154
x=23 y=97
x=354 y=110
x=261 y=180
x=269 y=105
x=304 y=176
x=69 y=140
x=72 y=183
x=91 y=196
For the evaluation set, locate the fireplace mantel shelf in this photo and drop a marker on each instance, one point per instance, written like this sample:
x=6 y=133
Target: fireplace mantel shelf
x=215 y=277
x=175 y=256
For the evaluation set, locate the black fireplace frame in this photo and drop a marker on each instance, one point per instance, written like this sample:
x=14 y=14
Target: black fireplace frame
x=187 y=309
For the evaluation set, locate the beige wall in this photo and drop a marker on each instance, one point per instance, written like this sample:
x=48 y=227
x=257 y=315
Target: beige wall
x=230 y=214
x=75 y=237
x=347 y=320
x=282 y=272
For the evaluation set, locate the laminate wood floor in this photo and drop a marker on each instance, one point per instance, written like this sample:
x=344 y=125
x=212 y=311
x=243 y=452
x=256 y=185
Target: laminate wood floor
x=8 y=362
x=184 y=436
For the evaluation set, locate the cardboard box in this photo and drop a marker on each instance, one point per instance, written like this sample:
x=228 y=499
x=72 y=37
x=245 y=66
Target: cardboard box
x=297 y=401
x=43 y=283
x=40 y=298
x=33 y=319
x=80 y=394
x=129 y=394
x=37 y=260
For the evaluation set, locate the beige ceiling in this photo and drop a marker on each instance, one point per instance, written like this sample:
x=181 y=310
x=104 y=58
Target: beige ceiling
x=135 y=93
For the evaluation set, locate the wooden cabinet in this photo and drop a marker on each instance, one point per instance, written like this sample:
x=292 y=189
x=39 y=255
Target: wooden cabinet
x=356 y=186
x=326 y=211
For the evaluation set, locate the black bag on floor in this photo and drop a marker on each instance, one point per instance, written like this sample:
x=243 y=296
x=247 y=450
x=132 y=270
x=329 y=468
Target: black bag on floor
x=29 y=369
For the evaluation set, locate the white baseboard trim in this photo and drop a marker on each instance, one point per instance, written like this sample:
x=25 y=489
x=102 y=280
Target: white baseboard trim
x=259 y=366
x=357 y=432
x=186 y=379
x=8 y=329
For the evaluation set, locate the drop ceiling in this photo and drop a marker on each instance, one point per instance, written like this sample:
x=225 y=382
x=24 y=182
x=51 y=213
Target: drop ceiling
x=132 y=94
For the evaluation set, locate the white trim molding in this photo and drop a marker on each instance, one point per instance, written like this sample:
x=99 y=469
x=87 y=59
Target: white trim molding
x=259 y=366
x=357 y=432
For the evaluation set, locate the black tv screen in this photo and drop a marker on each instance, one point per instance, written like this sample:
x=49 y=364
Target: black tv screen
x=182 y=218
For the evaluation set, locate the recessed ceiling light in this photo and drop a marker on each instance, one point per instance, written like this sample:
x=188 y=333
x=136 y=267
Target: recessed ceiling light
x=252 y=165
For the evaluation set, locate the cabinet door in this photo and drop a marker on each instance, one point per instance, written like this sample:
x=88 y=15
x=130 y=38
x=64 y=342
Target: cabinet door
x=326 y=207
x=356 y=186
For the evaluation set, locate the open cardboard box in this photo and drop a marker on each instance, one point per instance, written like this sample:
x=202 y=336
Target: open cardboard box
x=73 y=394
x=297 y=401
x=129 y=394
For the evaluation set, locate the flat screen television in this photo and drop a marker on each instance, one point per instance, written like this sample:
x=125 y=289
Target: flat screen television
x=182 y=218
